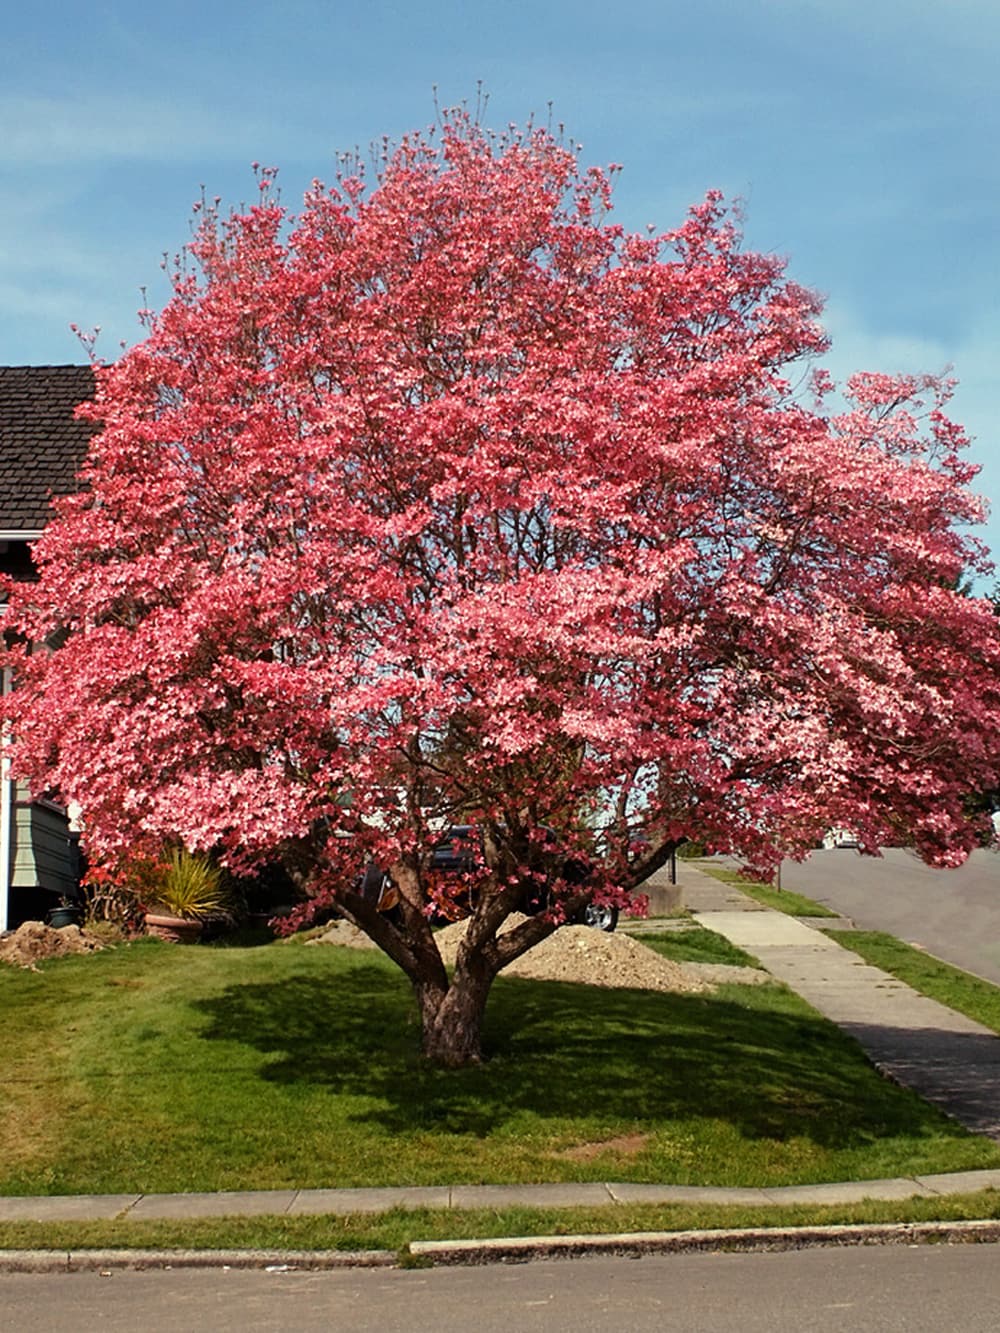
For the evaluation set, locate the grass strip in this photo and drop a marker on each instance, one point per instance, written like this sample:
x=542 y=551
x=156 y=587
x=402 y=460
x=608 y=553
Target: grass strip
x=395 y=1229
x=696 y=944
x=970 y=995
x=781 y=900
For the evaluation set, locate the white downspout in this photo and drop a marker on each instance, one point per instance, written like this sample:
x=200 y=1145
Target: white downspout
x=6 y=811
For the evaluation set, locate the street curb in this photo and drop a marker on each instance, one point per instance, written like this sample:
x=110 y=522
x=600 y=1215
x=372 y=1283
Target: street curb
x=108 y=1261
x=634 y=1245
x=507 y=1249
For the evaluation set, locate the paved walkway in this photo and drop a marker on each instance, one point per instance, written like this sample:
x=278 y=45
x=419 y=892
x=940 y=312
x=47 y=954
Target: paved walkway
x=301 y=1203
x=946 y=1057
x=949 y=1059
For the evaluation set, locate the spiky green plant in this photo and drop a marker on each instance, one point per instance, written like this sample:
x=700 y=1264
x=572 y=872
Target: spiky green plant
x=190 y=885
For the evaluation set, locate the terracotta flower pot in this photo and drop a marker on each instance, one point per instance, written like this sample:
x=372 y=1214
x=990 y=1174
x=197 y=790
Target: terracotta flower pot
x=177 y=929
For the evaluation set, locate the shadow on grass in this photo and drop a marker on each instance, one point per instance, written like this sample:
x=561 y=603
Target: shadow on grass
x=559 y=1050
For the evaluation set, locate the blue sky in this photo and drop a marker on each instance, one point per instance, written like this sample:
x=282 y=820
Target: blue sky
x=862 y=135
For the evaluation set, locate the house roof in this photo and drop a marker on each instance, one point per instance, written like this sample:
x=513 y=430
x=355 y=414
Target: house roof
x=41 y=443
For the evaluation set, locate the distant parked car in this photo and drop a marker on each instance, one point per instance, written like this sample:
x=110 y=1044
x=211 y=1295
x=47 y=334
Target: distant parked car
x=455 y=854
x=840 y=837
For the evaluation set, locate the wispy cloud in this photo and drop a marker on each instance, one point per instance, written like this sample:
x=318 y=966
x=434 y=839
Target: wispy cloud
x=53 y=131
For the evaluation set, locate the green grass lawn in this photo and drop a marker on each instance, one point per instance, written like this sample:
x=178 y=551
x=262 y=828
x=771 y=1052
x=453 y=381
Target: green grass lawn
x=155 y=1067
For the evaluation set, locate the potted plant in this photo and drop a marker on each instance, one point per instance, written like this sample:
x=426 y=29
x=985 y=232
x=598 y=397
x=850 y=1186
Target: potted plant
x=185 y=890
x=68 y=913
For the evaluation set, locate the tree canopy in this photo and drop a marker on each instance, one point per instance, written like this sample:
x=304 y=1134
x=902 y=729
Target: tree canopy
x=448 y=500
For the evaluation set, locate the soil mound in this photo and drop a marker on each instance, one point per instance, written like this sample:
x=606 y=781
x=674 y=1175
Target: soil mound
x=573 y=953
x=343 y=933
x=583 y=954
x=33 y=942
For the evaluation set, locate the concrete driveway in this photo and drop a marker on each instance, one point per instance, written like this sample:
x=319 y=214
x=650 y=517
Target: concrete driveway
x=953 y=914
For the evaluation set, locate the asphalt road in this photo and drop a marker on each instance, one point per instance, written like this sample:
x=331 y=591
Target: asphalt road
x=953 y=914
x=878 y=1289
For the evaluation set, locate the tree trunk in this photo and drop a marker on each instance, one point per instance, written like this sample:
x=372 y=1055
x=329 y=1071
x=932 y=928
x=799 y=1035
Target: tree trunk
x=452 y=1020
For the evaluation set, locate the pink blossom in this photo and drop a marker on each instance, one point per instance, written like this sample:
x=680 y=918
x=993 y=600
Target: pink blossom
x=449 y=496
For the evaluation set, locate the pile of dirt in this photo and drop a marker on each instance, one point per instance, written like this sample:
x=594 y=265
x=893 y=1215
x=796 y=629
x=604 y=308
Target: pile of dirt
x=583 y=954
x=33 y=942
x=343 y=933
x=573 y=953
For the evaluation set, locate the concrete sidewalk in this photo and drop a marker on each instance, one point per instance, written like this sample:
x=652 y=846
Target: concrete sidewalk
x=301 y=1203
x=947 y=1058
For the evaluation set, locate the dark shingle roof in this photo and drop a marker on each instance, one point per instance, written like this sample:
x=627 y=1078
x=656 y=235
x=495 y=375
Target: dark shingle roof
x=41 y=444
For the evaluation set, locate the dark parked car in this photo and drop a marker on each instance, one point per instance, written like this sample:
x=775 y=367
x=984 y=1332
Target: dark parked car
x=455 y=853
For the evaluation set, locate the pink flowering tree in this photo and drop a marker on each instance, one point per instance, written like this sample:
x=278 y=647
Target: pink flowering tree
x=448 y=501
